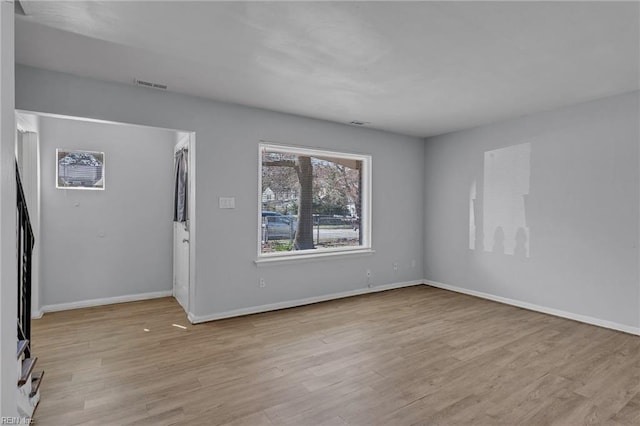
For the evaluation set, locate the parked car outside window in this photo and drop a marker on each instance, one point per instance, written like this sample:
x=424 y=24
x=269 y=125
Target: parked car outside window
x=276 y=226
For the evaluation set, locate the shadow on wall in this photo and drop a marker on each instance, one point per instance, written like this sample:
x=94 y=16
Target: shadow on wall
x=498 y=203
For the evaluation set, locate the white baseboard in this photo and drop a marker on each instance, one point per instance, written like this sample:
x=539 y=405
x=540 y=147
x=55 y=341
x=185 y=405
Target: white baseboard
x=530 y=306
x=195 y=319
x=100 y=302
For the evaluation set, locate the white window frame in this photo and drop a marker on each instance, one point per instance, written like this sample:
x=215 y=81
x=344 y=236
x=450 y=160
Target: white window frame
x=365 y=194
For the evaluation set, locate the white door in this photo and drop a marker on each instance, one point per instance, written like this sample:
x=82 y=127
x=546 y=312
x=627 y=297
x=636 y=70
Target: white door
x=181 y=246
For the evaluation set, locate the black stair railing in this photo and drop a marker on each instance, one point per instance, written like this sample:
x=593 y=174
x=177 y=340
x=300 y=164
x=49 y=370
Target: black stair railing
x=26 y=242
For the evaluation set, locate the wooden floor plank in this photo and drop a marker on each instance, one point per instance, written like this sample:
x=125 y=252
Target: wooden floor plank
x=412 y=356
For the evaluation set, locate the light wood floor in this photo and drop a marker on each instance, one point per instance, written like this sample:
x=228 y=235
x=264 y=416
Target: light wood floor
x=417 y=355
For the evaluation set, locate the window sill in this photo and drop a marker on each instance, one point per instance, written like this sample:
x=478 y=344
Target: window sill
x=295 y=258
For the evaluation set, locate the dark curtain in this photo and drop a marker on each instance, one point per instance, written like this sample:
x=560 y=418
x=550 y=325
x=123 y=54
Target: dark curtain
x=180 y=198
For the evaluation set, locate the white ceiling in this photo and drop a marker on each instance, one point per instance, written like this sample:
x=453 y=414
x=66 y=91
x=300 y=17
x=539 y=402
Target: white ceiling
x=416 y=68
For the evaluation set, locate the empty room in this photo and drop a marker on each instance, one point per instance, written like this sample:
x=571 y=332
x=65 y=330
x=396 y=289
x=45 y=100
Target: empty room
x=320 y=213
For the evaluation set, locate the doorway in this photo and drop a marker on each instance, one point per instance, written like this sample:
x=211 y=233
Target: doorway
x=115 y=244
x=182 y=220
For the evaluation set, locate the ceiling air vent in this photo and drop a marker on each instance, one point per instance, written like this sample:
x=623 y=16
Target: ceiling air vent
x=360 y=123
x=150 y=84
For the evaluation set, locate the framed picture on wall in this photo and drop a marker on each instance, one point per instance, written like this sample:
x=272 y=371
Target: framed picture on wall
x=79 y=169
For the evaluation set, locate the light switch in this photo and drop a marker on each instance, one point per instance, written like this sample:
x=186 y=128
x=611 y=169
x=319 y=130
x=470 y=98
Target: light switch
x=227 y=202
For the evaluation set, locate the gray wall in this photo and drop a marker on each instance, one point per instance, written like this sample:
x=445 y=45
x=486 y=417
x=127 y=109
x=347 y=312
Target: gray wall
x=8 y=270
x=109 y=243
x=556 y=209
x=227 y=137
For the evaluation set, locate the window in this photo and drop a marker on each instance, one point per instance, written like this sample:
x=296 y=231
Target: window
x=79 y=169
x=312 y=201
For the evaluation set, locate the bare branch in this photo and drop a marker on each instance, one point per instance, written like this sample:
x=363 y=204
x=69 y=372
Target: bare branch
x=279 y=163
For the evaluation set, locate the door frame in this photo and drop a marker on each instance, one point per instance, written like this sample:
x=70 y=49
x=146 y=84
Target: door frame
x=191 y=158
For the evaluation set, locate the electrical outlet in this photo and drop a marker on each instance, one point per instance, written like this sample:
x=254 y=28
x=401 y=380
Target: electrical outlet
x=413 y=263
x=262 y=283
x=395 y=266
x=368 y=273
